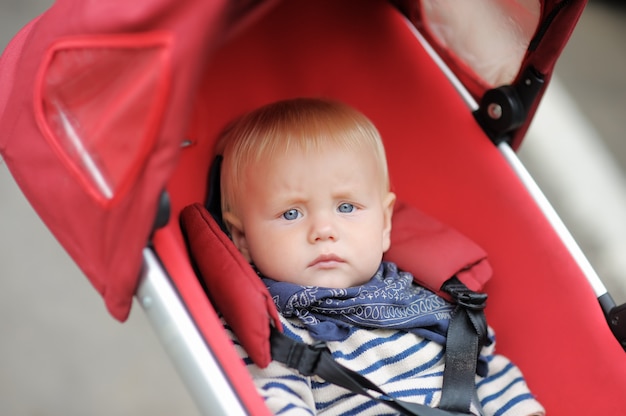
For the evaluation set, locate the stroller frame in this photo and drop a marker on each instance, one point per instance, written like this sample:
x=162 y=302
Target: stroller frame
x=185 y=345
x=177 y=307
x=195 y=360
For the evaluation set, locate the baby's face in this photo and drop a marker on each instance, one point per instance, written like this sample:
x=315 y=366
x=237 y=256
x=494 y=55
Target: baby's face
x=319 y=219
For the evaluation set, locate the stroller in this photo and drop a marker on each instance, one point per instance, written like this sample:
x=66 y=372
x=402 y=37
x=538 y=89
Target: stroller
x=115 y=106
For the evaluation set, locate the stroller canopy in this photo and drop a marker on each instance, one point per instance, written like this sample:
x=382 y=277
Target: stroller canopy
x=96 y=101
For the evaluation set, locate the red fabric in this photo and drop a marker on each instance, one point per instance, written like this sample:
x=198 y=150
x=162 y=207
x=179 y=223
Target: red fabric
x=434 y=252
x=65 y=38
x=232 y=284
x=74 y=55
x=176 y=259
x=98 y=102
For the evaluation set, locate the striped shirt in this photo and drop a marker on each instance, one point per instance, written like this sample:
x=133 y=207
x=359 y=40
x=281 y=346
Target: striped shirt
x=404 y=365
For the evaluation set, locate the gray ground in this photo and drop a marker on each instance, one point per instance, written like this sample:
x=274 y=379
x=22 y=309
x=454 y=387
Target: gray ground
x=61 y=354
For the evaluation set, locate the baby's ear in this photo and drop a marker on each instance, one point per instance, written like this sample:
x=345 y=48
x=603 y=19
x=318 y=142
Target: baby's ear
x=388 y=204
x=235 y=226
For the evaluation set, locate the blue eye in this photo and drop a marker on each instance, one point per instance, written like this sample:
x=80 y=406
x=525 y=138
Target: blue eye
x=291 y=215
x=345 y=208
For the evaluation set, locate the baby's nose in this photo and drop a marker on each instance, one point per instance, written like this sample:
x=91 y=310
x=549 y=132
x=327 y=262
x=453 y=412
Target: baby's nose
x=323 y=229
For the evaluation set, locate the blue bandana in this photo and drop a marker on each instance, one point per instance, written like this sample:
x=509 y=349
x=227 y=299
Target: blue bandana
x=389 y=300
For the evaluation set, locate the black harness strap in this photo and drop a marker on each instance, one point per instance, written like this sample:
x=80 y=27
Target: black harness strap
x=466 y=336
x=317 y=360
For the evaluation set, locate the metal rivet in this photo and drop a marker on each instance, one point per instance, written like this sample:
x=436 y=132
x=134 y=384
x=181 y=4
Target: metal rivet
x=146 y=302
x=495 y=111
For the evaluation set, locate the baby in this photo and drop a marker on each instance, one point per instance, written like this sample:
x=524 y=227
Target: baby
x=307 y=201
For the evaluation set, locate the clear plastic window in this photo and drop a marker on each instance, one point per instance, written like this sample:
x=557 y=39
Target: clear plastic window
x=489 y=36
x=101 y=105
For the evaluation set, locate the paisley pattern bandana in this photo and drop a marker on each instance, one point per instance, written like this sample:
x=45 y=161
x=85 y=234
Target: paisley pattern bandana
x=389 y=300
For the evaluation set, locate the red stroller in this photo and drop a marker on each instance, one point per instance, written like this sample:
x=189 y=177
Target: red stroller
x=116 y=106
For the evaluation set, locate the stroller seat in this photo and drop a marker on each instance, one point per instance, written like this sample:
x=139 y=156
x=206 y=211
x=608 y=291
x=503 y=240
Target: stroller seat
x=546 y=317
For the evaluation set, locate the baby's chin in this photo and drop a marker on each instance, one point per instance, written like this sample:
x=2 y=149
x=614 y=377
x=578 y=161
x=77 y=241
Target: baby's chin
x=333 y=279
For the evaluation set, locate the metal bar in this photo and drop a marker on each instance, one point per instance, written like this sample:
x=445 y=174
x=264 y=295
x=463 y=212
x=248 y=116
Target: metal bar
x=554 y=219
x=195 y=362
x=526 y=179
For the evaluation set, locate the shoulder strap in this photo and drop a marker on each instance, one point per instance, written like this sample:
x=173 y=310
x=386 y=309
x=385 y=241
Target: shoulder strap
x=466 y=335
x=317 y=360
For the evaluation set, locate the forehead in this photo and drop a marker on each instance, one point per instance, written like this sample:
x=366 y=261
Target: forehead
x=321 y=146
x=330 y=166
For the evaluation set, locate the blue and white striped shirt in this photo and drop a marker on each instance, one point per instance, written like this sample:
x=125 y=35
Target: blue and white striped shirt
x=404 y=365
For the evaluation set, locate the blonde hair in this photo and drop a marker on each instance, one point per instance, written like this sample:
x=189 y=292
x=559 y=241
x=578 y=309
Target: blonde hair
x=301 y=124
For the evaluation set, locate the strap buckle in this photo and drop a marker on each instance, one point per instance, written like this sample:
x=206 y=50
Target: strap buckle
x=463 y=296
x=298 y=355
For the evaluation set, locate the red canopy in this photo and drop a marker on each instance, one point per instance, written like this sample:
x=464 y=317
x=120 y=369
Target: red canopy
x=95 y=99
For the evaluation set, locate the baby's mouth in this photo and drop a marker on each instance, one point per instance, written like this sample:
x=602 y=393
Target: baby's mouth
x=326 y=261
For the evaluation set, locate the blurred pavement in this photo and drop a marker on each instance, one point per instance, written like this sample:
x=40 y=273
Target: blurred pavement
x=61 y=353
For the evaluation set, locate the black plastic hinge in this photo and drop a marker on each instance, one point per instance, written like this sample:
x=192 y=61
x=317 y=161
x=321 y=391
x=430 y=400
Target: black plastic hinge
x=617 y=323
x=615 y=317
x=504 y=109
x=163 y=211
